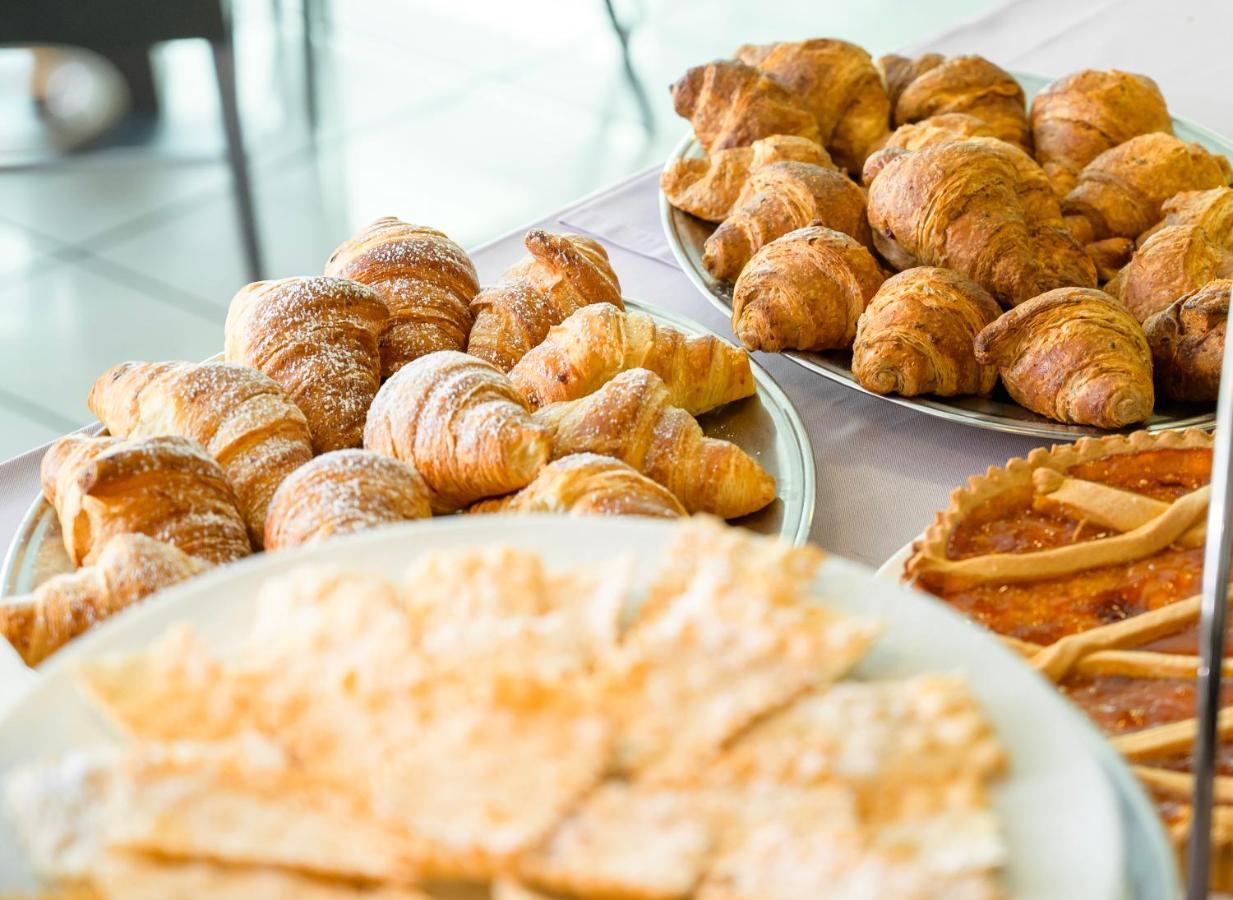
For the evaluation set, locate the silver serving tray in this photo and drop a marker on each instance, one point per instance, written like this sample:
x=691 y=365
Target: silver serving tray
x=687 y=234
x=766 y=426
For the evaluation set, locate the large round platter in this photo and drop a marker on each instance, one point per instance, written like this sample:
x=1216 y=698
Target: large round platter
x=686 y=236
x=766 y=426
x=1056 y=806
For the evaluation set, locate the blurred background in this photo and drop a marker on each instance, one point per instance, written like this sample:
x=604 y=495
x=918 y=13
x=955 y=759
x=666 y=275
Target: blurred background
x=125 y=227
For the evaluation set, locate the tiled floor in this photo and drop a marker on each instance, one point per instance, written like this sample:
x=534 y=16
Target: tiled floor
x=473 y=117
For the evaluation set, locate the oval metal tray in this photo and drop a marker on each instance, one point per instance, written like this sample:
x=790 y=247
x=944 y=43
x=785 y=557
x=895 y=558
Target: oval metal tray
x=766 y=426
x=687 y=234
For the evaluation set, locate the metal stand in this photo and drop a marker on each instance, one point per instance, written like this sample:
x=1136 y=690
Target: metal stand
x=224 y=69
x=1211 y=635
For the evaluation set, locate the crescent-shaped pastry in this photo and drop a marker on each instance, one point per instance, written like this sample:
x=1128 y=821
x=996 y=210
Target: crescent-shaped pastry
x=1187 y=340
x=916 y=335
x=915 y=135
x=1075 y=355
x=1174 y=262
x=972 y=85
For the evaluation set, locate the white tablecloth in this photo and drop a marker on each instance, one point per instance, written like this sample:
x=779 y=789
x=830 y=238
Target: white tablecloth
x=882 y=470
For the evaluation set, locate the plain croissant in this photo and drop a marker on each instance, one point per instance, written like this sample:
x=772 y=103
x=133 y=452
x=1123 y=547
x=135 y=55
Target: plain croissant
x=972 y=85
x=1211 y=210
x=586 y=484
x=838 y=83
x=1080 y=116
x=242 y=418
x=916 y=335
x=341 y=493
x=804 y=291
x=318 y=338
x=631 y=419
x=1173 y=262
x=1075 y=355
x=426 y=280
x=1121 y=191
x=900 y=71
x=779 y=198
x=599 y=341
x=166 y=487
x=129 y=568
x=731 y=104
x=708 y=187
x=915 y=135
x=563 y=273
x=462 y=425
x=992 y=216
x=1187 y=340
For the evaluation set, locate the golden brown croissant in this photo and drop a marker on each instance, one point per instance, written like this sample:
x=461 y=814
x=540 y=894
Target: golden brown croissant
x=165 y=487
x=731 y=104
x=972 y=85
x=916 y=336
x=1120 y=192
x=914 y=136
x=318 y=338
x=707 y=187
x=341 y=493
x=1080 y=116
x=426 y=280
x=462 y=425
x=900 y=71
x=838 y=83
x=983 y=208
x=631 y=419
x=129 y=568
x=599 y=341
x=779 y=198
x=1109 y=256
x=1211 y=210
x=1075 y=355
x=1187 y=341
x=241 y=416
x=804 y=291
x=563 y=273
x=586 y=484
x=1175 y=261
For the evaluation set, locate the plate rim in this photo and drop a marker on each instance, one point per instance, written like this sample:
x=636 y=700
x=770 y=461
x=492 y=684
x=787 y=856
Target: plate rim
x=767 y=388
x=928 y=405
x=153 y=619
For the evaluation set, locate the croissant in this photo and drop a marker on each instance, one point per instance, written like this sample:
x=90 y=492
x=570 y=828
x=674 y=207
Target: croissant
x=779 y=198
x=129 y=568
x=242 y=418
x=1120 y=192
x=1187 y=341
x=972 y=85
x=1211 y=210
x=914 y=136
x=804 y=291
x=1109 y=256
x=599 y=341
x=900 y=71
x=462 y=425
x=1075 y=355
x=1080 y=116
x=731 y=104
x=838 y=83
x=165 y=487
x=916 y=335
x=707 y=187
x=1174 y=261
x=991 y=215
x=318 y=338
x=586 y=484
x=341 y=493
x=426 y=280
x=563 y=273
x=630 y=418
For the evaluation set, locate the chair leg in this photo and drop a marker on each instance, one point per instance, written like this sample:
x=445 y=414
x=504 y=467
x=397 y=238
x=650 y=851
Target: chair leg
x=310 y=65
x=635 y=83
x=224 y=70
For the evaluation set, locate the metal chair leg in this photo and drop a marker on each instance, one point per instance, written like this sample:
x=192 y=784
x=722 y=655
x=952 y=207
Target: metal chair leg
x=224 y=69
x=635 y=83
x=309 y=9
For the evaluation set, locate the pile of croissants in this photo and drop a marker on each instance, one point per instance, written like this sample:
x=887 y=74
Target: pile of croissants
x=390 y=388
x=1076 y=251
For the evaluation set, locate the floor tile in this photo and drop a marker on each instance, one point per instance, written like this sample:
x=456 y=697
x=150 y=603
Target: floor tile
x=63 y=327
x=21 y=249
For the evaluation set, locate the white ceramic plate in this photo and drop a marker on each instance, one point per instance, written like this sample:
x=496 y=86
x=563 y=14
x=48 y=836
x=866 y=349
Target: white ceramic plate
x=686 y=235
x=766 y=426
x=1057 y=807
